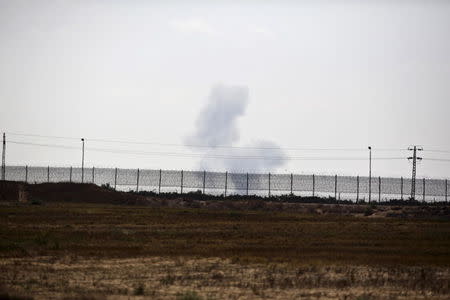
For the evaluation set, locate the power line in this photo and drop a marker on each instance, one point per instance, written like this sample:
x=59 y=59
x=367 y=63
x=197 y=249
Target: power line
x=200 y=155
x=205 y=146
x=438 y=151
x=44 y=145
x=203 y=155
x=437 y=159
x=43 y=136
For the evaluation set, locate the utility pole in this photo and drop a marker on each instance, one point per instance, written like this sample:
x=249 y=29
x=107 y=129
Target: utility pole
x=4 y=158
x=370 y=173
x=414 y=159
x=82 y=161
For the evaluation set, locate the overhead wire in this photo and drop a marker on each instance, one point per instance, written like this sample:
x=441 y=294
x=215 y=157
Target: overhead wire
x=207 y=146
x=203 y=155
x=217 y=156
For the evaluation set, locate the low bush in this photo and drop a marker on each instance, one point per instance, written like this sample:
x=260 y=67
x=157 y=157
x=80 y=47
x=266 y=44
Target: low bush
x=190 y=295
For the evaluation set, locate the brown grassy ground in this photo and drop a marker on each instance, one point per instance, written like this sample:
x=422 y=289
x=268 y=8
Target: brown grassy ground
x=71 y=250
x=215 y=278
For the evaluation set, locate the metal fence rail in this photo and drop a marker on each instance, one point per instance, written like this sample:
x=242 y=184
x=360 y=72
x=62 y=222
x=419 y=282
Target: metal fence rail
x=339 y=187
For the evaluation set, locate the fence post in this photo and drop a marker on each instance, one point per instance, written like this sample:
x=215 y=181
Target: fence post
x=226 y=182
x=292 y=179
x=26 y=174
x=159 y=184
x=181 y=181
x=115 y=178
x=247 y=184
x=93 y=175
x=137 y=181
x=401 y=188
x=269 y=184
x=204 y=181
x=314 y=186
x=423 y=190
x=3 y=158
x=48 y=174
x=446 y=187
x=379 y=189
x=335 y=187
x=70 y=174
x=357 y=189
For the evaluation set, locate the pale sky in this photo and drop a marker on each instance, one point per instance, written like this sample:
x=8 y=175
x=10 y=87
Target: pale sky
x=319 y=74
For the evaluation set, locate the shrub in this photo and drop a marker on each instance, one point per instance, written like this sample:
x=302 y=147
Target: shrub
x=365 y=297
x=368 y=211
x=190 y=295
x=36 y=201
x=107 y=186
x=168 y=280
x=139 y=290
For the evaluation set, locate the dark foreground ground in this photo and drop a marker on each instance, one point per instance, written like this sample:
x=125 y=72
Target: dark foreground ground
x=188 y=249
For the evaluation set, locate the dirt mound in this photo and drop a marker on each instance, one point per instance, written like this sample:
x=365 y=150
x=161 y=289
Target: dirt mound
x=67 y=192
x=9 y=190
x=89 y=193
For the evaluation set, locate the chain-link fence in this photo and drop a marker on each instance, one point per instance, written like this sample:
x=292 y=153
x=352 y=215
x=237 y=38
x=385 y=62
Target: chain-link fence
x=339 y=187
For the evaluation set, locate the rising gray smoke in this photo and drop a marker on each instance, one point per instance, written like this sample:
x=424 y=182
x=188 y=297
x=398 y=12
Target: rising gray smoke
x=217 y=126
x=275 y=158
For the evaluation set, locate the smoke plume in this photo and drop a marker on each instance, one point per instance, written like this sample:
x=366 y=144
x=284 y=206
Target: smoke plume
x=216 y=126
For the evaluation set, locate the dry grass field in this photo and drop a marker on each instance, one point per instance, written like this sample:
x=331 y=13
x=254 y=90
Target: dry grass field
x=215 y=278
x=99 y=251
